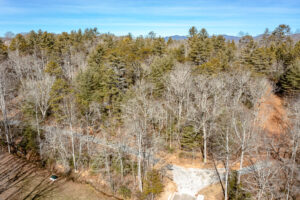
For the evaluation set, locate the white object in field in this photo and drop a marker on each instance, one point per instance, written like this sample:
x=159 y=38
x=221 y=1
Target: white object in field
x=53 y=178
x=171 y=196
x=178 y=196
x=200 y=197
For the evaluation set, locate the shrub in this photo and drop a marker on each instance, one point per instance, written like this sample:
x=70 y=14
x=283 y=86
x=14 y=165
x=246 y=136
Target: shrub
x=190 y=140
x=235 y=190
x=125 y=192
x=187 y=155
x=29 y=140
x=152 y=185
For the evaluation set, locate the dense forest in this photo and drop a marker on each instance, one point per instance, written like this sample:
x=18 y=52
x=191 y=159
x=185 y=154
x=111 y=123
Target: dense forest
x=112 y=105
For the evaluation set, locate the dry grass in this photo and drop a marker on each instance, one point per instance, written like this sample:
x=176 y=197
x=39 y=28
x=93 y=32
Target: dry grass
x=169 y=188
x=212 y=192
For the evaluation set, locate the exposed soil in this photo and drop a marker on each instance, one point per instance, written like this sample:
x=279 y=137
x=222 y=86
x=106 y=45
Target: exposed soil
x=193 y=161
x=272 y=114
x=20 y=179
x=212 y=192
x=169 y=188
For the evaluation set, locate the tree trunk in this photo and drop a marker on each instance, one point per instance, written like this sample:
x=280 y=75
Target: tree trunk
x=204 y=142
x=140 y=163
x=5 y=122
x=107 y=167
x=121 y=166
x=38 y=130
x=294 y=154
x=227 y=166
x=242 y=156
x=7 y=137
x=73 y=148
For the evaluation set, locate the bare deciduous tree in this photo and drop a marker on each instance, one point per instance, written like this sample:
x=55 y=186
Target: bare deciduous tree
x=178 y=91
x=70 y=118
x=138 y=114
x=36 y=89
x=294 y=135
x=3 y=103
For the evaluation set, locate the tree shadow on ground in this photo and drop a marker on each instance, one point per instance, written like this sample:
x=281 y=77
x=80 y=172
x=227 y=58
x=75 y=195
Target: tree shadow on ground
x=22 y=180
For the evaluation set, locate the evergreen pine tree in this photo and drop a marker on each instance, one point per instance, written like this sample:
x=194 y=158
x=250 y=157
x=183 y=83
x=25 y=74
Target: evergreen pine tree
x=59 y=90
x=53 y=69
x=179 y=53
x=152 y=184
x=290 y=81
x=159 y=46
x=200 y=47
x=19 y=44
x=3 y=51
x=296 y=50
x=159 y=68
x=104 y=80
x=261 y=62
x=235 y=191
x=190 y=140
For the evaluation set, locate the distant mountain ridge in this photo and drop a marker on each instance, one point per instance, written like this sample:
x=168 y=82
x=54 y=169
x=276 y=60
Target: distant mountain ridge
x=176 y=37
x=181 y=37
x=295 y=37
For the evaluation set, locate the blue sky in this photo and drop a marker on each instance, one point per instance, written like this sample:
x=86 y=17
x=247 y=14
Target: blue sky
x=164 y=17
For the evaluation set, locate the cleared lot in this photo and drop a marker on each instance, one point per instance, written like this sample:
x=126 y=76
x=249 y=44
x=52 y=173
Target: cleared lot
x=22 y=180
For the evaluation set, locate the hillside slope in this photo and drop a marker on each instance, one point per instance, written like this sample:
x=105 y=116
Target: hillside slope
x=272 y=114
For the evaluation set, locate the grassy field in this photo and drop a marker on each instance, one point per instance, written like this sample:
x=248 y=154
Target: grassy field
x=22 y=180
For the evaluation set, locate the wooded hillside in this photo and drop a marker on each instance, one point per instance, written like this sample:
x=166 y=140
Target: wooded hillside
x=122 y=101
